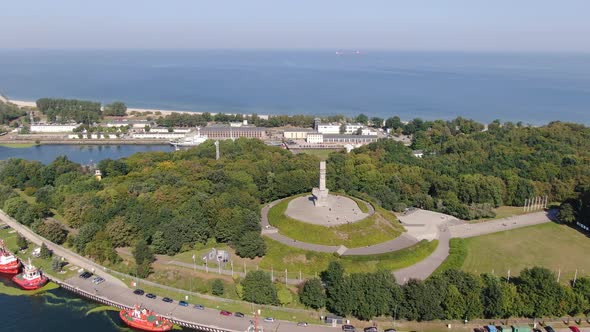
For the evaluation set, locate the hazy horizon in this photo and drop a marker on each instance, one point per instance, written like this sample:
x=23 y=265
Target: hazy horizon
x=530 y=26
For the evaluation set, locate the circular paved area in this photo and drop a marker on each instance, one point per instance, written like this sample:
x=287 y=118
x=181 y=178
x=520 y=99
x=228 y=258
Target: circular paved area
x=339 y=210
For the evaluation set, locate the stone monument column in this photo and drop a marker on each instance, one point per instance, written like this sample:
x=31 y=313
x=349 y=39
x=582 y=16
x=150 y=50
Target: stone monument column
x=321 y=194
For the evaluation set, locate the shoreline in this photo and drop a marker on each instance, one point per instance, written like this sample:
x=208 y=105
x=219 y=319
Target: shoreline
x=28 y=103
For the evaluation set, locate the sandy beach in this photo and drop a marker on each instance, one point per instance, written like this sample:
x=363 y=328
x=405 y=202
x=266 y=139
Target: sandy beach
x=26 y=103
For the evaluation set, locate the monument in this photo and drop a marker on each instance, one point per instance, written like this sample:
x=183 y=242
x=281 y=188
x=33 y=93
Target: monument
x=321 y=194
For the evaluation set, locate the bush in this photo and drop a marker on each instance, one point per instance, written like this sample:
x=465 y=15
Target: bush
x=45 y=252
x=217 y=287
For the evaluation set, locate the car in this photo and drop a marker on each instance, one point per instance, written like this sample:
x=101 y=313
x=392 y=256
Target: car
x=85 y=275
x=370 y=329
x=302 y=324
x=225 y=313
x=150 y=296
x=269 y=319
x=167 y=300
x=549 y=329
x=183 y=303
x=238 y=314
x=390 y=330
x=348 y=328
x=199 y=307
x=138 y=292
x=98 y=280
x=574 y=328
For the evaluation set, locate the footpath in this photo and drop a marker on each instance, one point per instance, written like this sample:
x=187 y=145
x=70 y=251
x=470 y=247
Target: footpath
x=115 y=292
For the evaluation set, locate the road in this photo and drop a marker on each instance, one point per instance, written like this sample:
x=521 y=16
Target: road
x=70 y=256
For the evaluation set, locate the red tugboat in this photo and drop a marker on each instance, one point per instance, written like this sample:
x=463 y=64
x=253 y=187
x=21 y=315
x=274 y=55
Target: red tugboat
x=143 y=319
x=9 y=264
x=31 y=278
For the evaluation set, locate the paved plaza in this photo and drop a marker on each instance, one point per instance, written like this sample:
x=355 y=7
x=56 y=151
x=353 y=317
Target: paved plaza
x=338 y=210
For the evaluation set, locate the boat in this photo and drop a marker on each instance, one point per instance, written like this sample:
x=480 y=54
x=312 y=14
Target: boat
x=31 y=278
x=144 y=319
x=9 y=264
x=190 y=140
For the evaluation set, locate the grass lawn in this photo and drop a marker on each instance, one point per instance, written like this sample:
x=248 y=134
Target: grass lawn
x=549 y=245
x=378 y=228
x=322 y=154
x=17 y=145
x=281 y=257
x=9 y=237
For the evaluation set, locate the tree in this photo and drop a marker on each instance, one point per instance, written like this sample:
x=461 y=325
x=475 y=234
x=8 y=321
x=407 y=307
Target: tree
x=541 y=290
x=362 y=118
x=284 y=295
x=566 y=213
x=45 y=252
x=258 y=288
x=251 y=245
x=53 y=232
x=21 y=242
x=56 y=264
x=312 y=294
x=142 y=253
x=115 y=109
x=217 y=287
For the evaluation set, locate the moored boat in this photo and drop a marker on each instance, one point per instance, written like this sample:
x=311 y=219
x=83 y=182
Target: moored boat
x=143 y=319
x=9 y=264
x=31 y=278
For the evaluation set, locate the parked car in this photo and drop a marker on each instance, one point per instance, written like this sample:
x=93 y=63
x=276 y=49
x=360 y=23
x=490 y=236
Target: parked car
x=390 y=330
x=85 y=275
x=150 y=296
x=348 y=328
x=549 y=329
x=238 y=314
x=199 y=307
x=98 y=280
x=167 y=300
x=302 y=324
x=370 y=329
x=138 y=292
x=574 y=328
x=269 y=319
x=225 y=313
x=183 y=303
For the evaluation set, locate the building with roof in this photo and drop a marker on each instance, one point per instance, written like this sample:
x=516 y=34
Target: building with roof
x=227 y=132
x=297 y=133
x=316 y=138
x=53 y=128
x=350 y=139
x=328 y=128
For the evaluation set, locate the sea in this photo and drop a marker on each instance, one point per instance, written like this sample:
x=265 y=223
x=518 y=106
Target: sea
x=528 y=87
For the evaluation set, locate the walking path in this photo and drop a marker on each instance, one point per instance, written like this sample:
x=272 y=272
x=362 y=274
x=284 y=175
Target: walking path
x=401 y=242
x=421 y=224
x=70 y=256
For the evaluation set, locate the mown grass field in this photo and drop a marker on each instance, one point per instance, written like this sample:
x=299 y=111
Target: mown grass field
x=557 y=247
x=17 y=145
x=281 y=257
x=380 y=227
x=322 y=154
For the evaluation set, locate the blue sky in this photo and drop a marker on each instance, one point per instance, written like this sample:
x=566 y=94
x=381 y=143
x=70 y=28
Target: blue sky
x=445 y=25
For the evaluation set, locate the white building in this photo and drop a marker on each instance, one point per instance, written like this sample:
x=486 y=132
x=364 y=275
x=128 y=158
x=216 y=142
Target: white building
x=166 y=130
x=368 y=132
x=150 y=135
x=316 y=138
x=328 y=128
x=297 y=133
x=352 y=128
x=137 y=124
x=53 y=128
x=418 y=153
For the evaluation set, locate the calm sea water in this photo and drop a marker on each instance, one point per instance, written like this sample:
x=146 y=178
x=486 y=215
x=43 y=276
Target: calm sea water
x=83 y=154
x=534 y=88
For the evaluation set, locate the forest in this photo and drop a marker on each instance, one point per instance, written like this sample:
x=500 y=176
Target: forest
x=9 y=113
x=173 y=201
x=450 y=295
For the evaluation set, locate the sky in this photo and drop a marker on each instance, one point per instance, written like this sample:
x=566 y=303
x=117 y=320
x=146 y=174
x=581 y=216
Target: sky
x=422 y=25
